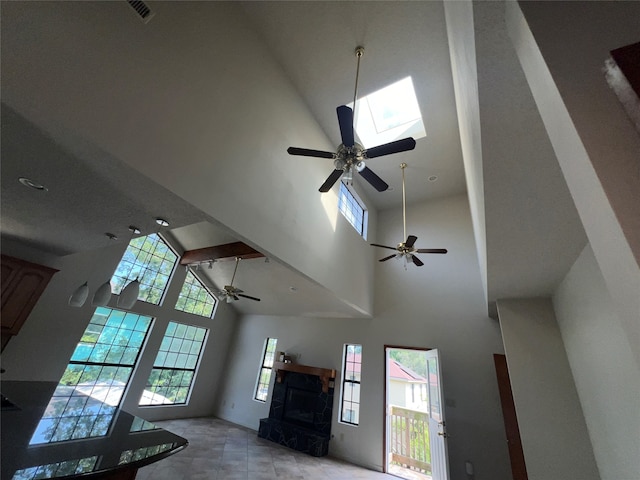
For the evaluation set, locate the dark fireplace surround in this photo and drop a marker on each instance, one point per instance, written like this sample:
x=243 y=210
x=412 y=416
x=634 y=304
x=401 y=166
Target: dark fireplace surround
x=301 y=408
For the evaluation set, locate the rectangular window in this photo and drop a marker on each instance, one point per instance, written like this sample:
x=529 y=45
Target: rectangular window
x=350 y=394
x=266 y=367
x=175 y=365
x=96 y=378
x=353 y=210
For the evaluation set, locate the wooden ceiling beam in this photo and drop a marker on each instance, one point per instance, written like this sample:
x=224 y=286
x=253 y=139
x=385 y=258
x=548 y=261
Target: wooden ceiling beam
x=228 y=251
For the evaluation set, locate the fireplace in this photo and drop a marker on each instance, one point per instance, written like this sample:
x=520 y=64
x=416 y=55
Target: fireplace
x=300 y=406
x=301 y=409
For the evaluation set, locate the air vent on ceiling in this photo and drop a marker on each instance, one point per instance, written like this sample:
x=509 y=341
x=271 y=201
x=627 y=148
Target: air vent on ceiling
x=141 y=9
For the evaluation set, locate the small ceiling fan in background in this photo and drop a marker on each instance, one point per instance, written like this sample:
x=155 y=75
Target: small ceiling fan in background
x=350 y=155
x=406 y=249
x=230 y=293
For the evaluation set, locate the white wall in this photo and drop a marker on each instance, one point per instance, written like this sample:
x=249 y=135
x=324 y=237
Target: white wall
x=461 y=36
x=440 y=305
x=554 y=435
x=562 y=47
x=606 y=376
x=42 y=349
x=193 y=100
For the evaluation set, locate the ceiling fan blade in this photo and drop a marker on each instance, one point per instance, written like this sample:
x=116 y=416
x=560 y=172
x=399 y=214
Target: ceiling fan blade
x=383 y=246
x=249 y=297
x=329 y=182
x=374 y=179
x=305 y=152
x=417 y=261
x=235 y=297
x=392 y=147
x=345 y=119
x=411 y=239
x=431 y=250
x=387 y=258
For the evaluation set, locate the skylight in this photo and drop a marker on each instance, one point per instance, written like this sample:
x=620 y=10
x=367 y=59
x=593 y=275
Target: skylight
x=389 y=114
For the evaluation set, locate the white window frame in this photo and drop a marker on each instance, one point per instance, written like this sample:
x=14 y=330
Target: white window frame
x=265 y=365
x=163 y=367
x=345 y=206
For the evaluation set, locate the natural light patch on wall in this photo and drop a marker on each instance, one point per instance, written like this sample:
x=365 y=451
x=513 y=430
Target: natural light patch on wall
x=330 y=204
x=195 y=298
x=389 y=114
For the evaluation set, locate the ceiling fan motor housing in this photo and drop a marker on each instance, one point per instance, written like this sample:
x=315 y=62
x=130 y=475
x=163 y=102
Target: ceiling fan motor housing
x=349 y=157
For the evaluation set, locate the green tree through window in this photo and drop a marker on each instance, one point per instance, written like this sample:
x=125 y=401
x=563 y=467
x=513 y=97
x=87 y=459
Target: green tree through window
x=175 y=365
x=195 y=298
x=95 y=379
x=150 y=260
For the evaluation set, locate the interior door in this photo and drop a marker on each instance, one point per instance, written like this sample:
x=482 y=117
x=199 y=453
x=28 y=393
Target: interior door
x=437 y=424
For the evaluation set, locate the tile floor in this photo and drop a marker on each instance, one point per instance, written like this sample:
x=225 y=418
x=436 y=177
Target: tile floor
x=219 y=450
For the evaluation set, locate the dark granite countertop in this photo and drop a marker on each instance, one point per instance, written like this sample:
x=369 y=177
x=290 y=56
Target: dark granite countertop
x=58 y=432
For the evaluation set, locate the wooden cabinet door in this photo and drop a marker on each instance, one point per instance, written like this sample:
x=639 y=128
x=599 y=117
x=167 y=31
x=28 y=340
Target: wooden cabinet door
x=22 y=284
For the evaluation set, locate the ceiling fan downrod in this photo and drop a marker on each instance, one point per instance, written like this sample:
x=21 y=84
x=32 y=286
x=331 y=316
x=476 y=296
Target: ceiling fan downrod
x=404 y=203
x=359 y=53
x=234 y=271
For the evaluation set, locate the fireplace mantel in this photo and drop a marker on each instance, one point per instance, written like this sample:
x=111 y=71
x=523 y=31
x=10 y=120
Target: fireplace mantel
x=326 y=374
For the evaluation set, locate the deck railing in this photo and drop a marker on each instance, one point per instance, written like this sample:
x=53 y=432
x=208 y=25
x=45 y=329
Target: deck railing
x=410 y=439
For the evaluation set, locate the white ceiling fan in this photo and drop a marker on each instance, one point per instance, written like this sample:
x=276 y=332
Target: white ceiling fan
x=406 y=249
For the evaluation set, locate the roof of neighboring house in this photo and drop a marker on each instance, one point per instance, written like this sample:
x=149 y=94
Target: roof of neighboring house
x=398 y=371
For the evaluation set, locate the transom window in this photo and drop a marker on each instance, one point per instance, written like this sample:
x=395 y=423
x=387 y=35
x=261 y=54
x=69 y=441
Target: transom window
x=351 y=376
x=352 y=210
x=266 y=367
x=93 y=383
x=151 y=261
x=175 y=365
x=195 y=298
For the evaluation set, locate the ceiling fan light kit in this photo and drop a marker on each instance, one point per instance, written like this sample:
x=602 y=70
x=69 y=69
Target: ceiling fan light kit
x=406 y=249
x=350 y=155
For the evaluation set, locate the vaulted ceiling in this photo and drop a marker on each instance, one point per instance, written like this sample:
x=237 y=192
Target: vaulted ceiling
x=533 y=233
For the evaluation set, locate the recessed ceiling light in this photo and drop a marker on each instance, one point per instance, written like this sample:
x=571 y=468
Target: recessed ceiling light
x=111 y=236
x=27 y=182
x=162 y=222
x=293 y=289
x=433 y=178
